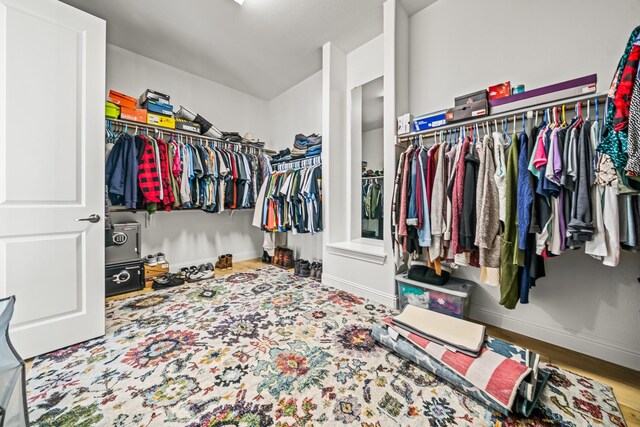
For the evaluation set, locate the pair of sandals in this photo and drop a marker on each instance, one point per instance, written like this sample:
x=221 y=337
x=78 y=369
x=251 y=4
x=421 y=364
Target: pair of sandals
x=201 y=272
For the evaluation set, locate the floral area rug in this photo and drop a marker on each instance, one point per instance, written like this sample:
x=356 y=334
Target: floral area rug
x=266 y=348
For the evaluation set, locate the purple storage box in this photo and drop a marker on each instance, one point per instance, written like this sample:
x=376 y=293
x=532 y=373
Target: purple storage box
x=568 y=89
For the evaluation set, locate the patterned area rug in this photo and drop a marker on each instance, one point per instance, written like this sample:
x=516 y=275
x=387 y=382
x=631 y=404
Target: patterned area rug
x=266 y=348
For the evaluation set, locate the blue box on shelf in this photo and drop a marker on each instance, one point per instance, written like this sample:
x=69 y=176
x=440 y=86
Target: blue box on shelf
x=159 y=108
x=430 y=121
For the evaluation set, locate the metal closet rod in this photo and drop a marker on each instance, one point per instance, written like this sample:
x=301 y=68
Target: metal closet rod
x=300 y=163
x=373 y=177
x=569 y=104
x=130 y=124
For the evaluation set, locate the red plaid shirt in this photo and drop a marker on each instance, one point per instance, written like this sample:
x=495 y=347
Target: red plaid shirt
x=148 y=175
x=168 y=197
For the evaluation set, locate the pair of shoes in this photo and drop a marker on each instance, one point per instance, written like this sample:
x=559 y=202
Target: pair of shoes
x=283 y=257
x=195 y=273
x=225 y=262
x=266 y=258
x=301 y=268
x=154 y=259
x=167 y=281
x=316 y=270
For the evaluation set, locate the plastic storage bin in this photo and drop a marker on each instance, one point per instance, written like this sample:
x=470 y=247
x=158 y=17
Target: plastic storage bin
x=452 y=299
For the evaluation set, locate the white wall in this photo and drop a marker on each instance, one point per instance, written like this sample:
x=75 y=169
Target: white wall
x=298 y=110
x=190 y=237
x=349 y=264
x=373 y=149
x=581 y=304
x=520 y=41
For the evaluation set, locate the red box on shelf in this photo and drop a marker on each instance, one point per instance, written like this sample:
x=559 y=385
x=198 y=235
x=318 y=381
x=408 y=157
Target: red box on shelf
x=500 y=90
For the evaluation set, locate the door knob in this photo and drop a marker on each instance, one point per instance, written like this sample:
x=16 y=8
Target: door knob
x=91 y=218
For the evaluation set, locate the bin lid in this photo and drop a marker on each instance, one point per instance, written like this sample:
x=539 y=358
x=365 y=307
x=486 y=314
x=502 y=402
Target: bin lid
x=455 y=286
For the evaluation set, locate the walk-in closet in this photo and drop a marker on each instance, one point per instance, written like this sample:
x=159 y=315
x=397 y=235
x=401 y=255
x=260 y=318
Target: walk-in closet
x=299 y=213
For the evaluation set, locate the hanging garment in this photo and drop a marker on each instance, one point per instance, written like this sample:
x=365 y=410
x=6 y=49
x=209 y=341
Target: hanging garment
x=468 y=218
x=488 y=205
x=632 y=167
x=424 y=220
x=438 y=202
x=614 y=135
x=509 y=253
x=457 y=198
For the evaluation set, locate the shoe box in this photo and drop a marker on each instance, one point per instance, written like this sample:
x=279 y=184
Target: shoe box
x=124 y=244
x=121 y=99
x=134 y=114
x=158 y=107
x=152 y=272
x=121 y=278
x=159 y=120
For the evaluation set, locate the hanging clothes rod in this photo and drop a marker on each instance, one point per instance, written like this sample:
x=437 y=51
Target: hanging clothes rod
x=569 y=104
x=373 y=177
x=157 y=129
x=298 y=164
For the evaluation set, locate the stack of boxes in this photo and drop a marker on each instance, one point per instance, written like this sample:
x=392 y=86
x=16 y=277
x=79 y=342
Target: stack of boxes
x=159 y=108
x=156 y=109
x=127 y=105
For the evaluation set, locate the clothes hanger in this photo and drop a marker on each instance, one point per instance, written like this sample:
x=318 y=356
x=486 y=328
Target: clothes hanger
x=564 y=117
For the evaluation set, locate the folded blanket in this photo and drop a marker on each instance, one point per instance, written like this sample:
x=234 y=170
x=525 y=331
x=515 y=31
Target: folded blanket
x=507 y=394
x=497 y=375
x=464 y=336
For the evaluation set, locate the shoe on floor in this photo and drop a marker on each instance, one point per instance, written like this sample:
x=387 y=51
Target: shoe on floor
x=167 y=281
x=229 y=261
x=203 y=272
x=221 y=264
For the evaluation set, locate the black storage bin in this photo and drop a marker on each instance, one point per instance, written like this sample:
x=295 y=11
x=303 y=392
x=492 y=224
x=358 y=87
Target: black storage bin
x=124 y=277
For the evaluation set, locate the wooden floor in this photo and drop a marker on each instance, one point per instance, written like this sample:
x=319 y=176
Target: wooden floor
x=625 y=382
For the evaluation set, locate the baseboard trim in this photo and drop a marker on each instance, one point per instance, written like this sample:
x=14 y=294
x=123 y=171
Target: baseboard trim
x=375 y=295
x=242 y=256
x=574 y=340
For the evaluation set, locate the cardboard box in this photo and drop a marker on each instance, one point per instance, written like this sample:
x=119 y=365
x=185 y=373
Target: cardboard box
x=430 y=121
x=187 y=126
x=163 y=121
x=135 y=114
x=158 y=108
x=153 y=272
x=405 y=123
x=122 y=100
x=500 y=90
x=155 y=95
x=469 y=98
x=111 y=110
x=468 y=111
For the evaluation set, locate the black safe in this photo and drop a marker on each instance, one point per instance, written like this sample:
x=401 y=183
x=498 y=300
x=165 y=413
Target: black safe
x=124 y=277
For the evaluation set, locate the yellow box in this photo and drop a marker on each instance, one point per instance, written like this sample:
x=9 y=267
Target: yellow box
x=158 y=120
x=153 y=272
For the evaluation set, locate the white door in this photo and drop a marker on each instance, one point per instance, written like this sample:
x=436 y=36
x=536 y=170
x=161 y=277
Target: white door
x=52 y=77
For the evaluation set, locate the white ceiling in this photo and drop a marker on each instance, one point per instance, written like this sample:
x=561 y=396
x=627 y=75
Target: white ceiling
x=262 y=48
